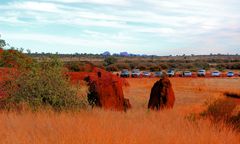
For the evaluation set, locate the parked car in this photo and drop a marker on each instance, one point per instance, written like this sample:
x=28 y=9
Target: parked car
x=201 y=72
x=230 y=74
x=158 y=74
x=146 y=74
x=187 y=74
x=170 y=73
x=136 y=73
x=216 y=74
x=124 y=73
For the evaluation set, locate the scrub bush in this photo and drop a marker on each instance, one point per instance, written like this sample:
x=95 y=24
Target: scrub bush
x=44 y=84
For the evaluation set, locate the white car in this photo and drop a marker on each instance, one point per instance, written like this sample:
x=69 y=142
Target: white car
x=187 y=74
x=216 y=74
x=136 y=73
x=158 y=74
x=170 y=73
x=146 y=74
x=230 y=74
x=201 y=72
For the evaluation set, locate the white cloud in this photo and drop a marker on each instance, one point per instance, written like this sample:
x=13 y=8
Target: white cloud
x=101 y=2
x=35 y=6
x=97 y=41
x=115 y=21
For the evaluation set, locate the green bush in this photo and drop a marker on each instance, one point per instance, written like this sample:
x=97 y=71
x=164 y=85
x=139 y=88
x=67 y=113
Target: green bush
x=15 y=59
x=43 y=85
x=110 y=60
x=73 y=66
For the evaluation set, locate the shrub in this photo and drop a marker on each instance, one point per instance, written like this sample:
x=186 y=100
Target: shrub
x=219 y=110
x=154 y=67
x=123 y=66
x=15 y=59
x=234 y=121
x=221 y=67
x=110 y=60
x=42 y=85
x=164 y=66
x=112 y=67
x=73 y=66
x=142 y=66
x=133 y=65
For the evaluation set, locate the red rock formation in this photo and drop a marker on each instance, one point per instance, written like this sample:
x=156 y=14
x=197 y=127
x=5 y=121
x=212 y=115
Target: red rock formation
x=162 y=95
x=105 y=89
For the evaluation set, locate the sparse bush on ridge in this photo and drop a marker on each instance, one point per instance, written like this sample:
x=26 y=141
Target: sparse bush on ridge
x=222 y=110
x=112 y=67
x=15 y=59
x=234 y=121
x=42 y=84
x=74 y=66
x=110 y=60
x=123 y=66
x=219 y=110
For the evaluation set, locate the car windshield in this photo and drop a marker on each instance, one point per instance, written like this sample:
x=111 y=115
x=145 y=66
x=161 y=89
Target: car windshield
x=124 y=71
x=201 y=71
x=170 y=71
x=216 y=72
x=230 y=72
x=157 y=72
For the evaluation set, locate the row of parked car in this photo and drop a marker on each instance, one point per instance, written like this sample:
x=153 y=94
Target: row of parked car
x=172 y=73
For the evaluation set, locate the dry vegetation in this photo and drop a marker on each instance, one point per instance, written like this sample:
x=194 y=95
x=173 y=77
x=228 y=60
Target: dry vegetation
x=136 y=126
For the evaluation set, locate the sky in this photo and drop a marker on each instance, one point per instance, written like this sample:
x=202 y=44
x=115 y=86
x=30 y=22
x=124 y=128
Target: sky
x=154 y=27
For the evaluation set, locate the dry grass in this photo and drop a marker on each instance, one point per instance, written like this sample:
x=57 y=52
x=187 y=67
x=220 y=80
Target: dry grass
x=106 y=127
x=134 y=127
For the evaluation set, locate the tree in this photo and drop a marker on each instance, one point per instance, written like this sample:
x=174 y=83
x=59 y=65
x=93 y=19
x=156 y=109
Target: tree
x=2 y=43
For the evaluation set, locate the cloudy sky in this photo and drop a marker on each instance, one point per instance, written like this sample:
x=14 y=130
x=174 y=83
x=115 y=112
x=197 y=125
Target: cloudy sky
x=160 y=27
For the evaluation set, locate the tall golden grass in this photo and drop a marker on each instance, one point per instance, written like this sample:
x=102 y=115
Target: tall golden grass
x=137 y=126
x=106 y=127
